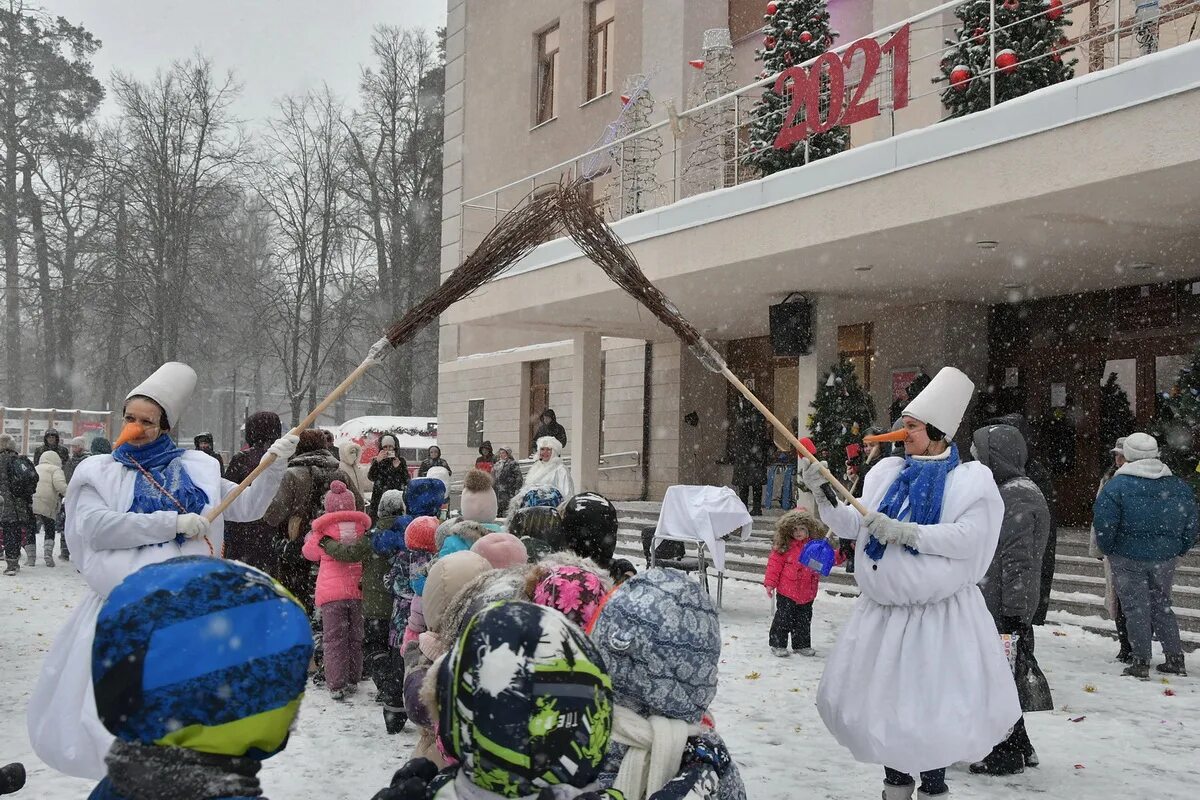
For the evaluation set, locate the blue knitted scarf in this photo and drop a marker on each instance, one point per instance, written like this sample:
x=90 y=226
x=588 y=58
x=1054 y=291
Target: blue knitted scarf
x=915 y=496
x=163 y=460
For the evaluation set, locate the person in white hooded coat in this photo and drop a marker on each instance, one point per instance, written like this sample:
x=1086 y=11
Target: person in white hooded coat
x=918 y=679
x=549 y=469
x=121 y=517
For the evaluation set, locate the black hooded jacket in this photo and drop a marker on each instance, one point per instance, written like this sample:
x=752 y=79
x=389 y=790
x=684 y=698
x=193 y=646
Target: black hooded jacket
x=1011 y=587
x=551 y=428
x=59 y=447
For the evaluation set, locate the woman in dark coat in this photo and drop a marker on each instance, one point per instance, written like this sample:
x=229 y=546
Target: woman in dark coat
x=251 y=542
x=752 y=451
x=1011 y=586
x=388 y=471
x=486 y=458
x=507 y=474
x=433 y=459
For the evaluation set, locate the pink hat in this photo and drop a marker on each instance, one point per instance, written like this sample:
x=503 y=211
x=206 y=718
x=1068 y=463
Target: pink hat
x=574 y=591
x=338 y=498
x=502 y=550
x=419 y=535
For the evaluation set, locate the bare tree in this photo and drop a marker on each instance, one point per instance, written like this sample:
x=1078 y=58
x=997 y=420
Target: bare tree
x=395 y=150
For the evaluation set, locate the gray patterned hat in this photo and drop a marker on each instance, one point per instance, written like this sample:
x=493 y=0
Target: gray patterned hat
x=661 y=641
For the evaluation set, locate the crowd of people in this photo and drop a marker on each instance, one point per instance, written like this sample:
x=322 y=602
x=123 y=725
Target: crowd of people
x=532 y=662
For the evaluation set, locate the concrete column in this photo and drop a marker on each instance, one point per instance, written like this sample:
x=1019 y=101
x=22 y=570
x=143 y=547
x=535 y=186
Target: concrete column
x=585 y=412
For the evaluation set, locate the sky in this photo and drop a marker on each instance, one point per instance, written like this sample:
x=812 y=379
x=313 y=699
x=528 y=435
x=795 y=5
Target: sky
x=274 y=47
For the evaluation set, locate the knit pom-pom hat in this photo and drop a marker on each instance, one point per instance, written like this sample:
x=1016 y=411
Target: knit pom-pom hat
x=419 y=535
x=338 y=498
x=391 y=503
x=502 y=550
x=479 y=497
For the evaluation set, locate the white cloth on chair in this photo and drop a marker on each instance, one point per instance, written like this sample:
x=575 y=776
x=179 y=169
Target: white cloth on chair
x=705 y=514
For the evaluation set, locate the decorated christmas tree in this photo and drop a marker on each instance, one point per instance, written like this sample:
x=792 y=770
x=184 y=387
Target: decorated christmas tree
x=794 y=32
x=1116 y=417
x=1177 y=420
x=842 y=411
x=1031 y=53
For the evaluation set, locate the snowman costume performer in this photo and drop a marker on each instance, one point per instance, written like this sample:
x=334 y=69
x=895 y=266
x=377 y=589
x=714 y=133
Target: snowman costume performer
x=142 y=504
x=918 y=679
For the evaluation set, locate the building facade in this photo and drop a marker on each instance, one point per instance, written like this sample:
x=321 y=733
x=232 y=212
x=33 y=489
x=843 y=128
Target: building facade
x=1038 y=245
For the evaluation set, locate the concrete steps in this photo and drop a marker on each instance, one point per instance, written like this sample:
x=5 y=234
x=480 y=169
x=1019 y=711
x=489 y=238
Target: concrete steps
x=1078 y=590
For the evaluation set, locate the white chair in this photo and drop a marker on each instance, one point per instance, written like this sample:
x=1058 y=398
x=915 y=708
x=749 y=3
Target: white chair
x=704 y=515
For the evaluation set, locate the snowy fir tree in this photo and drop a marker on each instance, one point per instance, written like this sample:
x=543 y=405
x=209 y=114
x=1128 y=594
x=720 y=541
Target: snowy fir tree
x=1031 y=49
x=794 y=32
x=1116 y=416
x=1177 y=420
x=842 y=411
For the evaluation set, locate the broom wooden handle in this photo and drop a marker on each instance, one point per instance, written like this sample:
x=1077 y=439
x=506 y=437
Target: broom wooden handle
x=791 y=437
x=269 y=459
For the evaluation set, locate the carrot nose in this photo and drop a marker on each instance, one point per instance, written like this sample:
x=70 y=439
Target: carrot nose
x=893 y=436
x=130 y=432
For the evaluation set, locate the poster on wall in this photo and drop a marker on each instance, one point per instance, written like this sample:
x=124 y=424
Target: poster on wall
x=901 y=379
x=1058 y=395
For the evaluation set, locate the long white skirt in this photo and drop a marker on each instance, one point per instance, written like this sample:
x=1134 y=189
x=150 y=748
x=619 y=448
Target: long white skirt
x=64 y=728
x=919 y=687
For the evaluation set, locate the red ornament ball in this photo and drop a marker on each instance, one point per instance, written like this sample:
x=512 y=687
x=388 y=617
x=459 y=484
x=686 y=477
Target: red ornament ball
x=771 y=9
x=960 y=76
x=769 y=42
x=1011 y=5
x=1056 y=9
x=805 y=37
x=1006 y=61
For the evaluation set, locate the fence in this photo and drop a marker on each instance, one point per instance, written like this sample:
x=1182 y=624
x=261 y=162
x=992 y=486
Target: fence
x=889 y=82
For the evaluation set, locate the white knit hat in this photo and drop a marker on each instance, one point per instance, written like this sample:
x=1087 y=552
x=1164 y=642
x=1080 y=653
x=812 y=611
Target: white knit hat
x=943 y=402
x=478 y=497
x=442 y=474
x=1140 y=445
x=551 y=442
x=170 y=386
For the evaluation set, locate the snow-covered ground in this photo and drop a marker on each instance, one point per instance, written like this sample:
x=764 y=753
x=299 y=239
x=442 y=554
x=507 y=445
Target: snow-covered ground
x=1108 y=737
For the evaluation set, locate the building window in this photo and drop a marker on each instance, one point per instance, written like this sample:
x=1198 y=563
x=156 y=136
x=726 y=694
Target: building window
x=547 y=76
x=600 y=47
x=745 y=18
x=854 y=343
x=475 y=423
x=539 y=396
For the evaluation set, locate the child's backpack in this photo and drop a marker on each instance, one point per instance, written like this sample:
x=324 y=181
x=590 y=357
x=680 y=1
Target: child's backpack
x=22 y=478
x=818 y=555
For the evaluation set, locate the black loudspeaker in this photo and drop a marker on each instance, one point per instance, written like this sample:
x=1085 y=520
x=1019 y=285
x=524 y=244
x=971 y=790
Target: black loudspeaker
x=791 y=328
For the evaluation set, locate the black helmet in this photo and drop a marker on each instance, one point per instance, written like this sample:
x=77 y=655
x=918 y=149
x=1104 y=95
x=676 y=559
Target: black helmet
x=538 y=522
x=589 y=527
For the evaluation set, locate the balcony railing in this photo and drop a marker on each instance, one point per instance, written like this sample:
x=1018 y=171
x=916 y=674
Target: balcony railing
x=707 y=147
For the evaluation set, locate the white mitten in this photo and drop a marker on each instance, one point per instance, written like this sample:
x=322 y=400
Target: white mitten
x=192 y=526
x=888 y=530
x=811 y=477
x=284 y=447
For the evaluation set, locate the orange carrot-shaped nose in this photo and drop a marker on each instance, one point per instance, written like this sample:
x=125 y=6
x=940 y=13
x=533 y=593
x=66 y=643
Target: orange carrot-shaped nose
x=880 y=438
x=131 y=431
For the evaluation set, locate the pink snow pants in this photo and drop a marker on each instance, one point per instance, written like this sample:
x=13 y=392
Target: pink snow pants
x=342 y=641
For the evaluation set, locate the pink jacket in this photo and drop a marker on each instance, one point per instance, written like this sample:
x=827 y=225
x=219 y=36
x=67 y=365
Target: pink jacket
x=336 y=580
x=786 y=575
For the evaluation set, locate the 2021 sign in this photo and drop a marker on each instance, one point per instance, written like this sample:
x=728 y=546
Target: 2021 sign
x=805 y=86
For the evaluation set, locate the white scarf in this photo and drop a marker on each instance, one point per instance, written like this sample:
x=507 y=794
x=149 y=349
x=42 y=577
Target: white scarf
x=655 y=749
x=1150 y=468
x=544 y=472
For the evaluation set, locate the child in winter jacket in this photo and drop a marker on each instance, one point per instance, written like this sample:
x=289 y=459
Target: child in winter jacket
x=164 y=658
x=540 y=729
x=409 y=569
x=792 y=584
x=337 y=542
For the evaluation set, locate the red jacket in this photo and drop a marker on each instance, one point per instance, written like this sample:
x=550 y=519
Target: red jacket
x=786 y=575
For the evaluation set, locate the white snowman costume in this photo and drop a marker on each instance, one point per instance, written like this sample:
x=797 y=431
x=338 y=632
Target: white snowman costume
x=108 y=544
x=918 y=679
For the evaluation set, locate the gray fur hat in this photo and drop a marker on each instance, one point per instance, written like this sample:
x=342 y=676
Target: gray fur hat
x=661 y=642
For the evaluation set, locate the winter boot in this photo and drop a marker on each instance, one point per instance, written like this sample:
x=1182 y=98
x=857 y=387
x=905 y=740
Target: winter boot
x=999 y=763
x=779 y=651
x=1138 y=668
x=12 y=778
x=898 y=792
x=928 y=796
x=805 y=651
x=1031 y=757
x=49 y=553
x=394 y=719
x=1173 y=666
x=13 y=566
x=63 y=553
x=31 y=555
x=1124 y=655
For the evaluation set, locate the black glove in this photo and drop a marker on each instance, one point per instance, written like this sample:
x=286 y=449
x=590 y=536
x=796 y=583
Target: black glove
x=707 y=748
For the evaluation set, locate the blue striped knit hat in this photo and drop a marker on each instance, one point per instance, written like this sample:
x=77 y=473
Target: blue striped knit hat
x=204 y=654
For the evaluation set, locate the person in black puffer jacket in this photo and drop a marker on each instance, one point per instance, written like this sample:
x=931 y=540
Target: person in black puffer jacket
x=251 y=542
